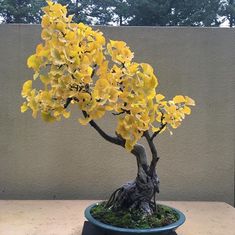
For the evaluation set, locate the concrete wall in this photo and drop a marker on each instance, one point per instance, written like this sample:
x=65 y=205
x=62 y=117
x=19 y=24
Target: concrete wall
x=68 y=161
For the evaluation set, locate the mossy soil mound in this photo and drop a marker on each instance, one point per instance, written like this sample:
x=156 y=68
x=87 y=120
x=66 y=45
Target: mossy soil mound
x=163 y=216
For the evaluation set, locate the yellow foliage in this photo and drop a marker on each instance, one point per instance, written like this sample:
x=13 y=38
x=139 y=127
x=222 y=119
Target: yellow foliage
x=75 y=63
x=23 y=107
x=189 y=101
x=179 y=99
x=66 y=114
x=159 y=97
x=45 y=79
x=84 y=121
x=47 y=117
x=34 y=62
x=27 y=87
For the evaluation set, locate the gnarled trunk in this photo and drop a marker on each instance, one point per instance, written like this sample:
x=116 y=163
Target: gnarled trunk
x=139 y=193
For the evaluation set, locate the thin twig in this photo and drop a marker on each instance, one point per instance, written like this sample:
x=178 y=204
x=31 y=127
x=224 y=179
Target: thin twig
x=116 y=114
x=68 y=100
x=157 y=132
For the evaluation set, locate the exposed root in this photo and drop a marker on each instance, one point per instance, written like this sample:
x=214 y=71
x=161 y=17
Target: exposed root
x=112 y=197
x=138 y=194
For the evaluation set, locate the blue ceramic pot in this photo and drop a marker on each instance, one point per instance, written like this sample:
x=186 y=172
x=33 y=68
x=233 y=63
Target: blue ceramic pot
x=163 y=230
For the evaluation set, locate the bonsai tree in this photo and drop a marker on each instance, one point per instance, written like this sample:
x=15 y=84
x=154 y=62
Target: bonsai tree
x=76 y=66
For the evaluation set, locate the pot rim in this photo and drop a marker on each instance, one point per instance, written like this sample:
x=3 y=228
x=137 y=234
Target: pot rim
x=167 y=228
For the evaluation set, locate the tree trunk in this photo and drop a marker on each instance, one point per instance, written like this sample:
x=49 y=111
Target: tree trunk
x=76 y=8
x=139 y=193
x=120 y=20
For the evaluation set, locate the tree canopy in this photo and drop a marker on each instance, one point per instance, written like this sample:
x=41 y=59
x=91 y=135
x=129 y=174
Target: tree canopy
x=77 y=66
x=21 y=11
x=176 y=13
x=128 y=12
x=227 y=10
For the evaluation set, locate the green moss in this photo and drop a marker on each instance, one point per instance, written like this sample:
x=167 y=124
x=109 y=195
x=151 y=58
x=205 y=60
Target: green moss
x=134 y=218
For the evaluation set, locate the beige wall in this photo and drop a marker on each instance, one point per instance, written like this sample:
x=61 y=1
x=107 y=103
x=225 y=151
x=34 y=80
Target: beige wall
x=68 y=161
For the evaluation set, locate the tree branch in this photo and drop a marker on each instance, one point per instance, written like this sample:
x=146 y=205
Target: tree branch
x=116 y=114
x=157 y=132
x=123 y=111
x=113 y=139
x=138 y=149
x=161 y=127
x=153 y=150
x=68 y=100
x=140 y=153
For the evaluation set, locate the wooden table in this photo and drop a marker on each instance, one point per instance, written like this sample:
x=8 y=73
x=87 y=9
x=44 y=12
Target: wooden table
x=65 y=217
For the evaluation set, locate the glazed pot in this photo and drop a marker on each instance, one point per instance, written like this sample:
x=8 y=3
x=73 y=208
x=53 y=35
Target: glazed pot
x=113 y=229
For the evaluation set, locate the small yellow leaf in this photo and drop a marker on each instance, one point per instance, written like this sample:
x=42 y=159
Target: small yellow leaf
x=47 y=117
x=44 y=79
x=102 y=84
x=34 y=113
x=35 y=76
x=112 y=42
x=129 y=145
x=45 y=21
x=98 y=113
x=50 y=3
x=89 y=71
x=45 y=96
x=31 y=61
x=108 y=107
x=23 y=107
x=186 y=110
x=57 y=57
x=27 y=87
x=66 y=114
x=155 y=129
x=81 y=26
x=178 y=99
x=57 y=114
x=34 y=62
x=189 y=101
x=171 y=109
x=45 y=34
x=147 y=68
x=84 y=121
x=159 y=97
